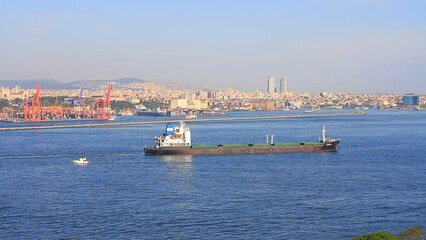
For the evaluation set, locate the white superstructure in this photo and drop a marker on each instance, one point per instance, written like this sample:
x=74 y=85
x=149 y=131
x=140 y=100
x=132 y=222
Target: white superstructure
x=175 y=136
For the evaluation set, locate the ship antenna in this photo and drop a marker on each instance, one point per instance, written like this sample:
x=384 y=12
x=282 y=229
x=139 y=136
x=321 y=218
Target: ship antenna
x=323 y=133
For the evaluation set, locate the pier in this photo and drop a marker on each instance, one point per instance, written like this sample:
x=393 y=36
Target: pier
x=113 y=124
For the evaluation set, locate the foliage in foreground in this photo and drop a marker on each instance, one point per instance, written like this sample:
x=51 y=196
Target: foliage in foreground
x=377 y=236
x=415 y=233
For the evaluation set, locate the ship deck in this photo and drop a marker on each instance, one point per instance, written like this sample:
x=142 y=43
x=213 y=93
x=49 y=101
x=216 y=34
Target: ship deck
x=211 y=146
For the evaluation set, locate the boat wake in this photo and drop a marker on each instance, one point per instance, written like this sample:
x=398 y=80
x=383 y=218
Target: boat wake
x=72 y=156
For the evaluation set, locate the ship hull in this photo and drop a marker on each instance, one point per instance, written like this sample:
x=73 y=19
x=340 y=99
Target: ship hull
x=150 y=114
x=220 y=150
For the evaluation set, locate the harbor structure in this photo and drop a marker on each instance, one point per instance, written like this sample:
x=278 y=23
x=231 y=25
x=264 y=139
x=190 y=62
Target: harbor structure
x=271 y=85
x=34 y=111
x=221 y=119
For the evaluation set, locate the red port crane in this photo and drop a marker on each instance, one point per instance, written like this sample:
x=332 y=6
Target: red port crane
x=103 y=106
x=32 y=110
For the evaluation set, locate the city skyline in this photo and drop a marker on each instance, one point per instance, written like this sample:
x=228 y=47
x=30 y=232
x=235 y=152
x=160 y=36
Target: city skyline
x=279 y=86
x=351 y=46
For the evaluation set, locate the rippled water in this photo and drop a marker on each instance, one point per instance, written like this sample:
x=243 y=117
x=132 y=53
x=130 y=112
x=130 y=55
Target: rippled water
x=374 y=182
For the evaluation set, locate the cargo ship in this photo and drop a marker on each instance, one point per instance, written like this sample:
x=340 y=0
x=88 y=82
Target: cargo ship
x=211 y=113
x=141 y=110
x=176 y=140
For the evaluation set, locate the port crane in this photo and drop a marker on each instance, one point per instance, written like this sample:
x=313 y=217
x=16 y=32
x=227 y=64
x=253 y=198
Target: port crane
x=103 y=106
x=34 y=112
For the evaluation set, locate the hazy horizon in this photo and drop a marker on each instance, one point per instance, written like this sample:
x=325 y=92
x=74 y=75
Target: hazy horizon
x=334 y=46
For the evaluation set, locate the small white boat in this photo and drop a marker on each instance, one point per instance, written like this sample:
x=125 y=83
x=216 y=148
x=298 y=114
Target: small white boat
x=190 y=116
x=81 y=161
x=313 y=109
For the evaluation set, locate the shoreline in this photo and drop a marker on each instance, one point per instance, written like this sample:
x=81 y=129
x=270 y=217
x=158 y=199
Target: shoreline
x=176 y=120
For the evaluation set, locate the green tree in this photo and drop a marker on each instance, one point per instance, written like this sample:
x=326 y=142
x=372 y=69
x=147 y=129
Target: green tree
x=4 y=103
x=151 y=105
x=377 y=236
x=51 y=101
x=121 y=105
x=17 y=101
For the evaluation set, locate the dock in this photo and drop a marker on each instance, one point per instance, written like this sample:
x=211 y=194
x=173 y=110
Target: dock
x=224 y=119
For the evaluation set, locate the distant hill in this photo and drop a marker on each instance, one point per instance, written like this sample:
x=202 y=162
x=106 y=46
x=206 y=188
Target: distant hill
x=95 y=82
x=90 y=84
x=32 y=84
x=184 y=86
x=55 y=84
x=129 y=80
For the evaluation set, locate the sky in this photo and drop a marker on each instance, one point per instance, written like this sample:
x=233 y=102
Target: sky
x=358 y=46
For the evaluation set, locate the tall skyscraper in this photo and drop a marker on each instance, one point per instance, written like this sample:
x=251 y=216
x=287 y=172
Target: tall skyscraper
x=283 y=85
x=271 y=85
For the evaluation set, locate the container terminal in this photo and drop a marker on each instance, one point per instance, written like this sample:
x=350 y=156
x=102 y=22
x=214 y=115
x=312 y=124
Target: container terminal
x=33 y=111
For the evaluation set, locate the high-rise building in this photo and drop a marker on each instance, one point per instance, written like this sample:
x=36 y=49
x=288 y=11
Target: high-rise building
x=410 y=100
x=271 y=85
x=283 y=85
x=211 y=94
x=323 y=94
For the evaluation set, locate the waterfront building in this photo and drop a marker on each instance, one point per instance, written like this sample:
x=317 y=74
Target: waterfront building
x=271 y=85
x=410 y=100
x=283 y=85
x=198 y=104
x=16 y=92
x=263 y=105
x=188 y=102
x=178 y=103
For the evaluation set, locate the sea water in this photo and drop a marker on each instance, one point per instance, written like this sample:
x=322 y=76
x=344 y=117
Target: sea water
x=375 y=182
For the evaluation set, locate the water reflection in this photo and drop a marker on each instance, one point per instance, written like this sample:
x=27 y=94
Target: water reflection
x=181 y=171
x=177 y=159
x=180 y=164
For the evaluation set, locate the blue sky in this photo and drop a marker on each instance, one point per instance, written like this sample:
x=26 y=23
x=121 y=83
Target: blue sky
x=337 y=46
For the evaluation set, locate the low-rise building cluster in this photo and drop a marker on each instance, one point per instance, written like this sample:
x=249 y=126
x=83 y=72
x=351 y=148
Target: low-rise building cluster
x=229 y=99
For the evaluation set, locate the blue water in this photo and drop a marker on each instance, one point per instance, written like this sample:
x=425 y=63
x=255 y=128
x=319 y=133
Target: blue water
x=375 y=182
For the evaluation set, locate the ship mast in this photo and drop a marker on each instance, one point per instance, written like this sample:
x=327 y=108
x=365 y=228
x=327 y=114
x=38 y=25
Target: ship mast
x=323 y=134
